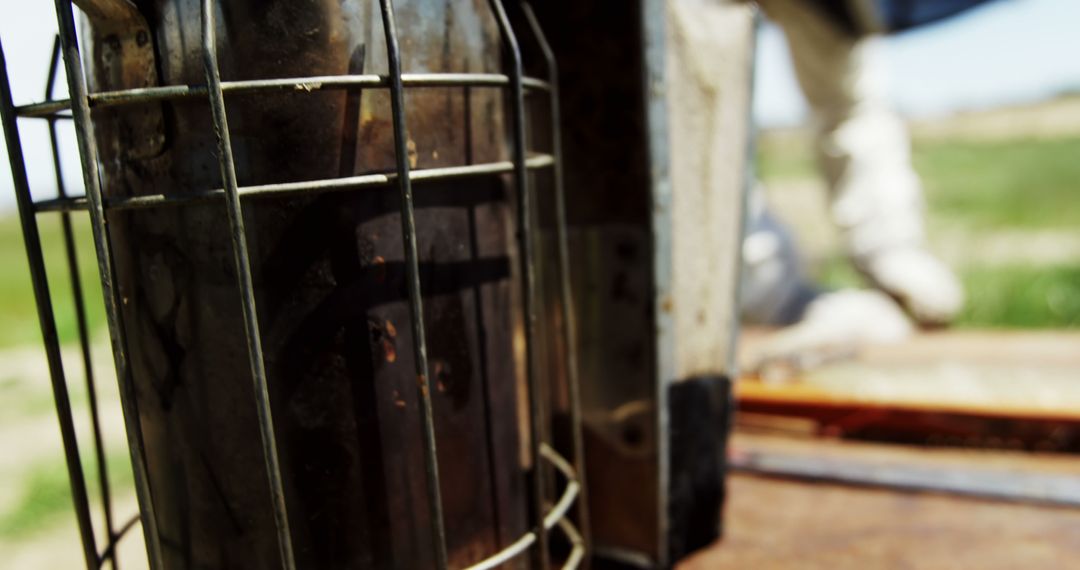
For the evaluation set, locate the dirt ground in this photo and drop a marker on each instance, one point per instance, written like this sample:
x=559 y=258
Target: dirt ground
x=45 y=535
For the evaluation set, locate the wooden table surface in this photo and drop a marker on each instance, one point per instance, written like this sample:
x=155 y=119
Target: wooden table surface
x=778 y=523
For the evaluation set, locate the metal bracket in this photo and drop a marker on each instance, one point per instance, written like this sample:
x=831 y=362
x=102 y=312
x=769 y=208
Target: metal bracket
x=123 y=55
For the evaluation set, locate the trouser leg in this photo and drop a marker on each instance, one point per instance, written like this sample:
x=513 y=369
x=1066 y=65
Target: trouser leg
x=862 y=145
x=875 y=196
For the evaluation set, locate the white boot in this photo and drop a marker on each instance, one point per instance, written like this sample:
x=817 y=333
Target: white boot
x=918 y=280
x=835 y=326
x=865 y=153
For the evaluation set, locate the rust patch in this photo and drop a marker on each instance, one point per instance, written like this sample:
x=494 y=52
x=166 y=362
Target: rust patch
x=398 y=401
x=441 y=371
x=389 y=351
x=380 y=268
x=414 y=156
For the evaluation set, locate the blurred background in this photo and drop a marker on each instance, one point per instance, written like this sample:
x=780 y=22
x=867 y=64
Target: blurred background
x=993 y=102
x=37 y=521
x=992 y=98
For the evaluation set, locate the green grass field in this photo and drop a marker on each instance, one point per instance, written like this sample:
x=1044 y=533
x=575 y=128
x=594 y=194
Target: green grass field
x=18 y=315
x=980 y=188
x=46 y=496
x=1022 y=184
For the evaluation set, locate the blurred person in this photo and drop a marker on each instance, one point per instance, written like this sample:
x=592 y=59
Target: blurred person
x=865 y=155
x=864 y=152
x=875 y=196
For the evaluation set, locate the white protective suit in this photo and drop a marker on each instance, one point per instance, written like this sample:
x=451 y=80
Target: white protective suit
x=865 y=154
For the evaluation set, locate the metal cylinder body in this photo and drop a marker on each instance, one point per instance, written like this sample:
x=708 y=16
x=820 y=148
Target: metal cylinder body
x=329 y=281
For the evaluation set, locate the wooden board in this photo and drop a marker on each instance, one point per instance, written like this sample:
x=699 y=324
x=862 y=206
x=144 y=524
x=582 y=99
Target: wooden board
x=783 y=524
x=777 y=523
x=996 y=375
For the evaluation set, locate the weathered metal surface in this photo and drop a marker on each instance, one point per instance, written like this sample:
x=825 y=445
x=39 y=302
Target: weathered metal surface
x=709 y=61
x=323 y=272
x=699 y=443
x=607 y=180
x=329 y=281
x=654 y=231
x=122 y=54
x=618 y=403
x=565 y=396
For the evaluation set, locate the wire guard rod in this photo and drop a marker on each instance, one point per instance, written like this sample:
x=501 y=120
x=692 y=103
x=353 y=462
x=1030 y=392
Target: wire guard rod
x=287 y=188
x=245 y=286
x=556 y=516
x=577 y=542
x=80 y=315
x=301 y=84
x=110 y=552
x=528 y=273
x=89 y=158
x=32 y=241
x=416 y=307
x=565 y=290
x=215 y=90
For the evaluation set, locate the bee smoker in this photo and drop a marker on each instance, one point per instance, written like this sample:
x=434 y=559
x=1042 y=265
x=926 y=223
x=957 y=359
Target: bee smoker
x=398 y=283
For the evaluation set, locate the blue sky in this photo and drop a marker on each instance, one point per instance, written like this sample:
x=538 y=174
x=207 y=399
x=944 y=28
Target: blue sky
x=27 y=28
x=1008 y=51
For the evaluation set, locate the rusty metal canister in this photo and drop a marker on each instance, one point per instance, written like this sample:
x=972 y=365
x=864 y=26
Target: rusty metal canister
x=329 y=283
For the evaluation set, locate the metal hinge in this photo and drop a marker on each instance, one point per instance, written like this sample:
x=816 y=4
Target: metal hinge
x=122 y=56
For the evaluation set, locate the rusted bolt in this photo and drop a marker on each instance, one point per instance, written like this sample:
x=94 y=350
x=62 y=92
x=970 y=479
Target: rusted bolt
x=380 y=268
x=142 y=38
x=112 y=42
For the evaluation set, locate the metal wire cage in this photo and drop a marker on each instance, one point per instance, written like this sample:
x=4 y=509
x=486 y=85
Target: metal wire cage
x=548 y=510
